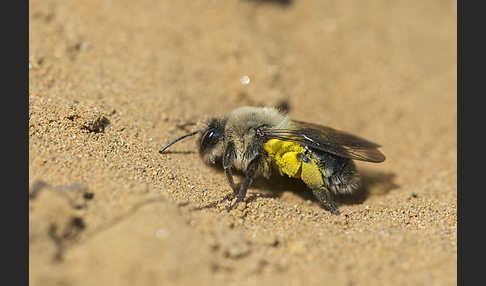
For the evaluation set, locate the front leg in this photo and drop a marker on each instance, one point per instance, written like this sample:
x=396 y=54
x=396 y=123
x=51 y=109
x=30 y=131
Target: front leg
x=250 y=175
x=228 y=158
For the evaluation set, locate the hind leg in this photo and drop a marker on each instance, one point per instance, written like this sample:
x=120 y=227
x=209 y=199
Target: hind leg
x=325 y=199
x=312 y=177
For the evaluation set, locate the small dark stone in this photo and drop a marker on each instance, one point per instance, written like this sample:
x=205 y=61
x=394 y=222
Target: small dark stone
x=78 y=222
x=88 y=195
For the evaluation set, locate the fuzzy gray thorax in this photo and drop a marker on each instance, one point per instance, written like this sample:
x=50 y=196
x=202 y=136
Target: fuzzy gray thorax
x=240 y=130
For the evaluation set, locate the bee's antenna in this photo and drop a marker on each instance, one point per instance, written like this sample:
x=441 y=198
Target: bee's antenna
x=177 y=140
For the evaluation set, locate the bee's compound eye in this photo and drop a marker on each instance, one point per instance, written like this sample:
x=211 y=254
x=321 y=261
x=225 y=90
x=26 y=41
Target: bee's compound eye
x=209 y=139
x=212 y=137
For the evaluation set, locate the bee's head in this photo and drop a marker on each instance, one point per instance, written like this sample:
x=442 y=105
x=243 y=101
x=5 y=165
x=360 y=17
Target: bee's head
x=210 y=141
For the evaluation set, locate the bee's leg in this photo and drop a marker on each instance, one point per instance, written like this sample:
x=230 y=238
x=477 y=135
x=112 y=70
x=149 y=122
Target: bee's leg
x=326 y=200
x=229 y=176
x=250 y=174
x=312 y=176
x=229 y=156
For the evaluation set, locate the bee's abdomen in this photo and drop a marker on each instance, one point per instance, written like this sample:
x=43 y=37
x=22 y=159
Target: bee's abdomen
x=344 y=181
x=339 y=174
x=316 y=168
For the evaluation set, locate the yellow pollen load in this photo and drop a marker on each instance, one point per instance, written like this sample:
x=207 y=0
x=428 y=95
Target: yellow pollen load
x=285 y=156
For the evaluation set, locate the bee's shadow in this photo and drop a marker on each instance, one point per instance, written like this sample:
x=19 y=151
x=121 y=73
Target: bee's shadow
x=372 y=183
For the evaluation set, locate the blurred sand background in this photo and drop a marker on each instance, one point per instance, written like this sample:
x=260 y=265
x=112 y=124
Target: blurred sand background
x=111 y=80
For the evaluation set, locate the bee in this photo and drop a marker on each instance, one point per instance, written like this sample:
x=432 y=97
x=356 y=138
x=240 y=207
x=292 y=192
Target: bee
x=261 y=140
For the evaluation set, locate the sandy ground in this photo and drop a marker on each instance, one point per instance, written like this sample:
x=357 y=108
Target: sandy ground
x=111 y=80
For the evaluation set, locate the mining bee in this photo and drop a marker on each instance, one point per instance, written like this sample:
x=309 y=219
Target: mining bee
x=258 y=140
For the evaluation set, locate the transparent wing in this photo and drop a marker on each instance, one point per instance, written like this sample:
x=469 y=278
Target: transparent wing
x=328 y=140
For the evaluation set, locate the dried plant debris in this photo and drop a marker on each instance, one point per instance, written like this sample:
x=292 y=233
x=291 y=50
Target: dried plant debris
x=97 y=125
x=91 y=122
x=68 y=115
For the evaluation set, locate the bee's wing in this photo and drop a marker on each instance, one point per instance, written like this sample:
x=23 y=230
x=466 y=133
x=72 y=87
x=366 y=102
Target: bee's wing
x=328 y=140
